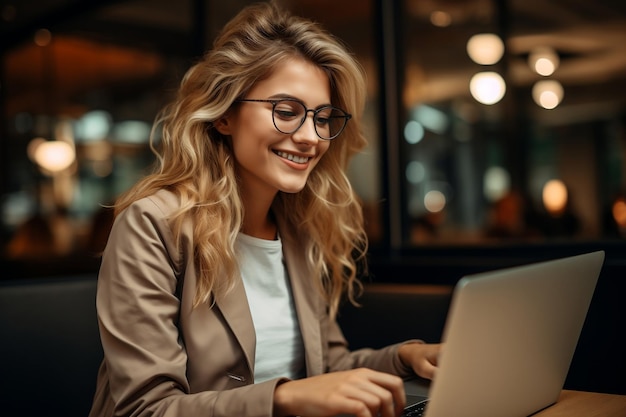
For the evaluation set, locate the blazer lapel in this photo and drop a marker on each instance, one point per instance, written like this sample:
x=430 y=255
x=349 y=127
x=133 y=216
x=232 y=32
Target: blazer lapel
x=236 y=311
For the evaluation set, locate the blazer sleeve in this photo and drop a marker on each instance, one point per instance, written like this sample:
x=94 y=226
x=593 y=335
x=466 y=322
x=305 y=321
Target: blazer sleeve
x=385 y=359
x=339 y=357
x=145 y=365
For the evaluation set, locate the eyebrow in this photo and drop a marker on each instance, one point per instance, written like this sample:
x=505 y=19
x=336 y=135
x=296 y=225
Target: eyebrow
x=281 y=96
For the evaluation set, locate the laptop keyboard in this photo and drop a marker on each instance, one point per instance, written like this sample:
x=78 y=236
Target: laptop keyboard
x=415 y=410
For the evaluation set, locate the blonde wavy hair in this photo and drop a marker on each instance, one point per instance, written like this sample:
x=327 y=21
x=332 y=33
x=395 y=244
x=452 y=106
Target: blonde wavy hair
x=196 y=162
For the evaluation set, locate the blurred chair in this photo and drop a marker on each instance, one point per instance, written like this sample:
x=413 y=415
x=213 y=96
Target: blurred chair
x=50 y=350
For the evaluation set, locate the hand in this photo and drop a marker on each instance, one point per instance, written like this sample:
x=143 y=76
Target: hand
x=360 y=392
x=421 y=357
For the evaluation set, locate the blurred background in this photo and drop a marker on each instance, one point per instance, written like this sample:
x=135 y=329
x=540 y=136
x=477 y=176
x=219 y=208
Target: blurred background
x=493 y=126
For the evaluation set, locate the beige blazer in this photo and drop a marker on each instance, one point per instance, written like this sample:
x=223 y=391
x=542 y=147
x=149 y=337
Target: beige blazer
x=164 y=358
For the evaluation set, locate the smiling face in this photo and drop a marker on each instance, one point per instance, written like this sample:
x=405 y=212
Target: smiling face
x=266 y=160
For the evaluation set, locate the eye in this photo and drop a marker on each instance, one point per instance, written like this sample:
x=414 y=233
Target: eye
x=322 y=118
x=288 y=110
x=322 y=121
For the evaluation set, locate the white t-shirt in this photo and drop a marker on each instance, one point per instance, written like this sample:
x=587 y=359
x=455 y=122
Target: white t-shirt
x=279 y=347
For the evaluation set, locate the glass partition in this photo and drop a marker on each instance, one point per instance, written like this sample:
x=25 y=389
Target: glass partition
x=510 y=128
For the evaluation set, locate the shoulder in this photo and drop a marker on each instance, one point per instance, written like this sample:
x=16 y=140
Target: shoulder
x=159 y=207
x=163 y=201
x=146 y=225
x=149 y=214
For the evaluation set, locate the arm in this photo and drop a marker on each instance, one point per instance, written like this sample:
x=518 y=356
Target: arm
x=412 y=357
x=362 y=383
x=386 y=359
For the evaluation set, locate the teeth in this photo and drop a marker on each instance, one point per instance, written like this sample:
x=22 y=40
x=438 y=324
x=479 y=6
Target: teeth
x=294 y=158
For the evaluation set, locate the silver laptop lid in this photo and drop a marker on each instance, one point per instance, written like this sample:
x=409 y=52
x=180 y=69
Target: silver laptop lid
x=510 y=337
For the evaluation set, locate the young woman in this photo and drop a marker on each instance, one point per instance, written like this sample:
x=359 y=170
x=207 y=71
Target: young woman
x=225 y=268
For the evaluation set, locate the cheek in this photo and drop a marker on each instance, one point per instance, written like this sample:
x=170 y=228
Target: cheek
x=244 y=154
x=246 y=141
x=323 y=148
x=321 y=153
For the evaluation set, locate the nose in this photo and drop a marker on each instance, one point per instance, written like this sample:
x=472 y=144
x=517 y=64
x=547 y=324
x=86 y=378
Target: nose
x=307 y=133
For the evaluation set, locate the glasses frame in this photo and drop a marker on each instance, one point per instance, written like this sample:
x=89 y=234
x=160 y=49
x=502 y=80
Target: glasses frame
x=315 y=112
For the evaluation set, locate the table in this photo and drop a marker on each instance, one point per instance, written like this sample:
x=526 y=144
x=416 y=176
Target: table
x=587 y=404
x=570 y=403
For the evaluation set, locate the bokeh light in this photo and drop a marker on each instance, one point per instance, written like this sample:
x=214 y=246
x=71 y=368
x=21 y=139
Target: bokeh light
x=415 y=172
x=54 y=156
x=93 y=125
x=487 y=87
x=42 y=37
x=554 y=196
x=440 y=18
x=548 y=93
x=544 y=61
x=619 y=212
x=496 y=183
x=434 y=201
x=485 y=48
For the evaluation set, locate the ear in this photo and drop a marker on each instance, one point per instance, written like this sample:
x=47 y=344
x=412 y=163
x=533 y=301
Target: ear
x=222 y=125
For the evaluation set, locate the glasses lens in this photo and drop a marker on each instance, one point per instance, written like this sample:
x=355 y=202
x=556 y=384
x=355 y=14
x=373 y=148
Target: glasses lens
x=330 y=122
x=288 y=115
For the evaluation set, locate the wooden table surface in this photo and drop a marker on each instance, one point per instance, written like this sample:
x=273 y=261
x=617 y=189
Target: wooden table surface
x=587 y=404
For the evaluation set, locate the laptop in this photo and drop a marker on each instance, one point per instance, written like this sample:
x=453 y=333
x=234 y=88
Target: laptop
x=510 y=336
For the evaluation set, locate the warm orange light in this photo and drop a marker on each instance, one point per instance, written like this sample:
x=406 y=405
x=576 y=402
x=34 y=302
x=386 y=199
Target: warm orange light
x=440 y=18
x=619 y=212
x=554 y=196
x=54 y=156
x=32 y=148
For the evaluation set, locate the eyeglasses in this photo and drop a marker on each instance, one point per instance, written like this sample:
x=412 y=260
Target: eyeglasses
x=289 y=115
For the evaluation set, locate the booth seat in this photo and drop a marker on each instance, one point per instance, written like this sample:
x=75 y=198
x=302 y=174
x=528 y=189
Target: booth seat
x=391 y=313
x=49 y=346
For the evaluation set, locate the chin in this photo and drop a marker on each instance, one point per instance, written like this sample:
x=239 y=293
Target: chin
x=292 y=188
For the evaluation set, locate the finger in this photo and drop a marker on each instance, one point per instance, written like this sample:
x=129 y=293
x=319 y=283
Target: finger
x=355 y=407
x=390 y=389
x=427 y=370
x=426 y=366
x=382 y=393
x=383 y=401
x=373 y=398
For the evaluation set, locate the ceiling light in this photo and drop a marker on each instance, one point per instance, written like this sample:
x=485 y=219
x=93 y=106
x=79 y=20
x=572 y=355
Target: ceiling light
x=54 y=156
x=547 y=93
x=440 y=18
x=543 y=60
x=487 y=87
x=485 y=48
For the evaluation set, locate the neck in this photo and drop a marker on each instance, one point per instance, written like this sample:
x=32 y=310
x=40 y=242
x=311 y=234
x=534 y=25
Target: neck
x=260 y=226
x=267 y=231
x=258 y=220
